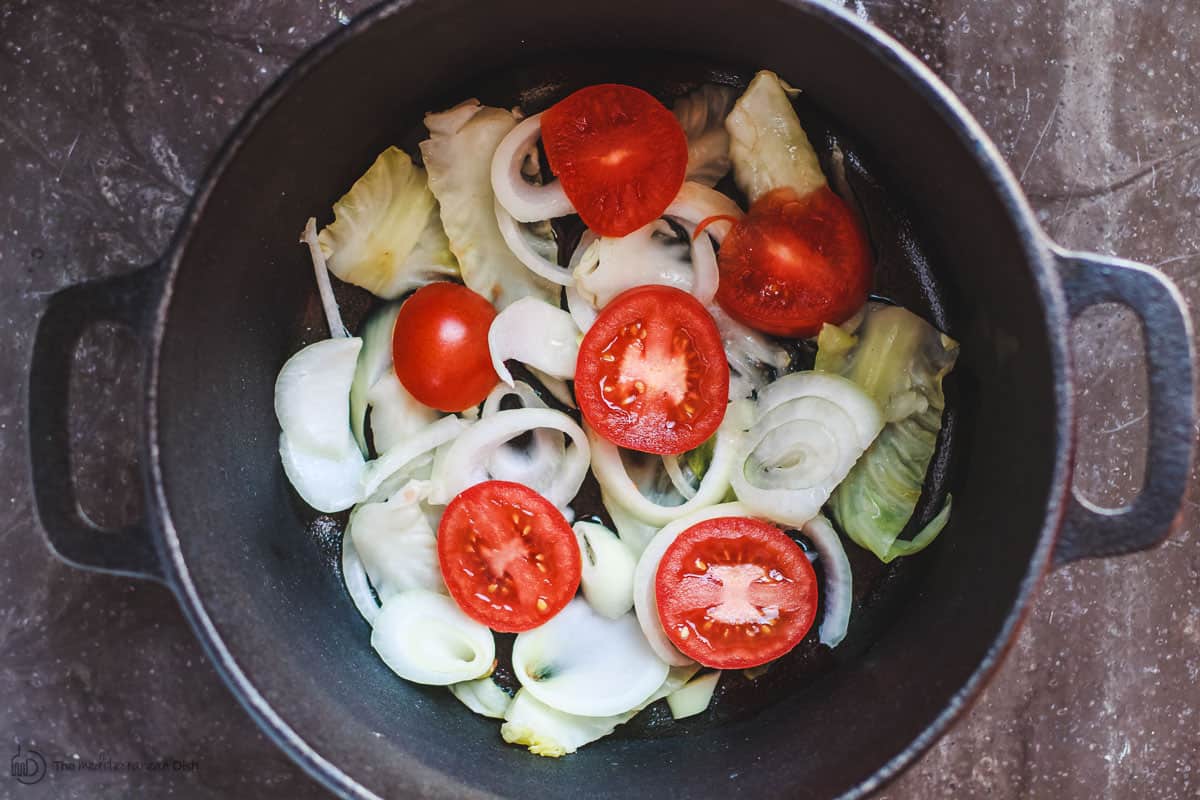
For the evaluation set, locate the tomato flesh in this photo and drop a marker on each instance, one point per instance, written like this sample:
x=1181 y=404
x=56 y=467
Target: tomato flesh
x=440 y=347
x=620 y=154
x=734 y=592
x=794 y=263
x=651 y=373
x=508 y=556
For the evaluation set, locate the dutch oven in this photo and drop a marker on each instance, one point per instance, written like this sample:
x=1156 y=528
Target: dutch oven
x=226 y=305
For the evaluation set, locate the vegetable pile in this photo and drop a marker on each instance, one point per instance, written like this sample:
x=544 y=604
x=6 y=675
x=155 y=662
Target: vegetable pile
x=655 y=355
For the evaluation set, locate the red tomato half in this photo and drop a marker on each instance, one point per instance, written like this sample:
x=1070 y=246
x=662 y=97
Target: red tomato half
x=440 y=347
x=652 y=374
x=794 y=263
x=734 y=592
x=621 y=155
x=508 y=556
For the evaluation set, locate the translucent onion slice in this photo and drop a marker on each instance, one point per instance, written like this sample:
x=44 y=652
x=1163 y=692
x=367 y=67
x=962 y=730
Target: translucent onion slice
x=607 y=570
x=611 y=473
x=557 y=387
x=374 y=360
x=395 y=414
x=358 y=586
x=524 y=201
x=424 y=637
x=405 y=453
x=581 y=662
x=483 y=696
x=464 y=463
x=678 y=479
x=327 y=484
x=634 y=532
x=645 y=601
x=333 y=315
x=697 y=202
x=753 y=357
x=535 y=333
x=312 y=396
x=532 y=466
x=804 y=443
x=517 y=240
x=837 y=595
x=585 y=258
x=396 y=544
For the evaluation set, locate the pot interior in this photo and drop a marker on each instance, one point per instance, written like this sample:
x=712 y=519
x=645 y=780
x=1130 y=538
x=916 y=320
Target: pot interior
x=266 y=571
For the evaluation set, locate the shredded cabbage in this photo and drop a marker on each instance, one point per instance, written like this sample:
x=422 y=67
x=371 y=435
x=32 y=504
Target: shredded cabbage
x=768 y=146
x=458 y=156
x=702 y=115
x=899 y=360
x=386 y=235
x=537 y=334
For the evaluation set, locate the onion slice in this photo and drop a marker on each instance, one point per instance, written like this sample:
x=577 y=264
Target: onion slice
x=358 y=585
x=425 y=638
x=526 y=253
x=524 y=201
x=838 y=592
x=580 y=662
x=333 y=316
x=464 y=463
x=402 y=455
x=608 y=565
x=312 y=396
x=327 y=484
x=537 y=334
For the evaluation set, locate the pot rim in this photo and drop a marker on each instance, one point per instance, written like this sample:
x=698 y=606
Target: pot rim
x=930 y=88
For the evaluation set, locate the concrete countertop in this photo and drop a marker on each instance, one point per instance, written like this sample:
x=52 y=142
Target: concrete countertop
x=109 y=111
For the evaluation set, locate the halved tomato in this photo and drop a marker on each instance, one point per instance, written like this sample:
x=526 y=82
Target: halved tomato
x=508 y=556
x=651 y=373
x=734 y=592
x=794 y=263
x=621 y=155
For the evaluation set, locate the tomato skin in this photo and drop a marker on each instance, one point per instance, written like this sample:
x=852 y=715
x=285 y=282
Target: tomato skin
x=651 y=373
x=794 y=263
x=734 y=592
x=508 y=556
x=440 y=347
x=620 y=154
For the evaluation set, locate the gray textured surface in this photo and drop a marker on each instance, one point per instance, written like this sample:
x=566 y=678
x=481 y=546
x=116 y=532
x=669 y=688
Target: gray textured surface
x=109 y=110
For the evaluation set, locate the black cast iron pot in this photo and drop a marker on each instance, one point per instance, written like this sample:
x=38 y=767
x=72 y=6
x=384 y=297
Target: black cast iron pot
x=223 y=309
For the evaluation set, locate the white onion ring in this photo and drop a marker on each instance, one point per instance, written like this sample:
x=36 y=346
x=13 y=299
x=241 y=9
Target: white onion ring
x=697 y=202
x=838 y=592
x=430 y=438
x=524 y=201
x=358 y=585
x=514 y=237
x=678 y=480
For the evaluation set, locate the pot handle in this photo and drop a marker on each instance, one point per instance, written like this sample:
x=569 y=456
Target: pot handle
x=127 y=300
x=1089 y=531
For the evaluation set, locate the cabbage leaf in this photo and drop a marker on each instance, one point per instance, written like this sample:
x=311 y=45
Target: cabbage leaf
x=899 y=360
x=386 y=235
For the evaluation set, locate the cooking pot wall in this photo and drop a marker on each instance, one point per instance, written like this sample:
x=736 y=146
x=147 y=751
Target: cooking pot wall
x=244 y=297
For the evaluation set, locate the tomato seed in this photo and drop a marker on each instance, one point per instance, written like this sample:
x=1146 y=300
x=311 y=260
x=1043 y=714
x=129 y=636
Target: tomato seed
x=541 y=604
x=700 y=565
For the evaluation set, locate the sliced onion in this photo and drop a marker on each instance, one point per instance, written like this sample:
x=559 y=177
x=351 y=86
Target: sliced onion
x=583 y=663
x=705 y=275
x=327 y=484
x=557 y=387
x=374 y=360
x=645 y=600
x=396 y=543
x=811 y=429
x=526 y=253
x=678 y=479
x=425 y=638
x=535 y=333
x=697 y=202
x=634 y=532
x=312 y=396
x=610 y=471
x=395 y=414
x=584 y=259
x=838 y=593
x=752 y=355
x=536 y=465
x=608 y=565
x=464 y=462
x=333 y=316
x=395 y=460
x=525 y=201
x=358 y=586
x=483 y=696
